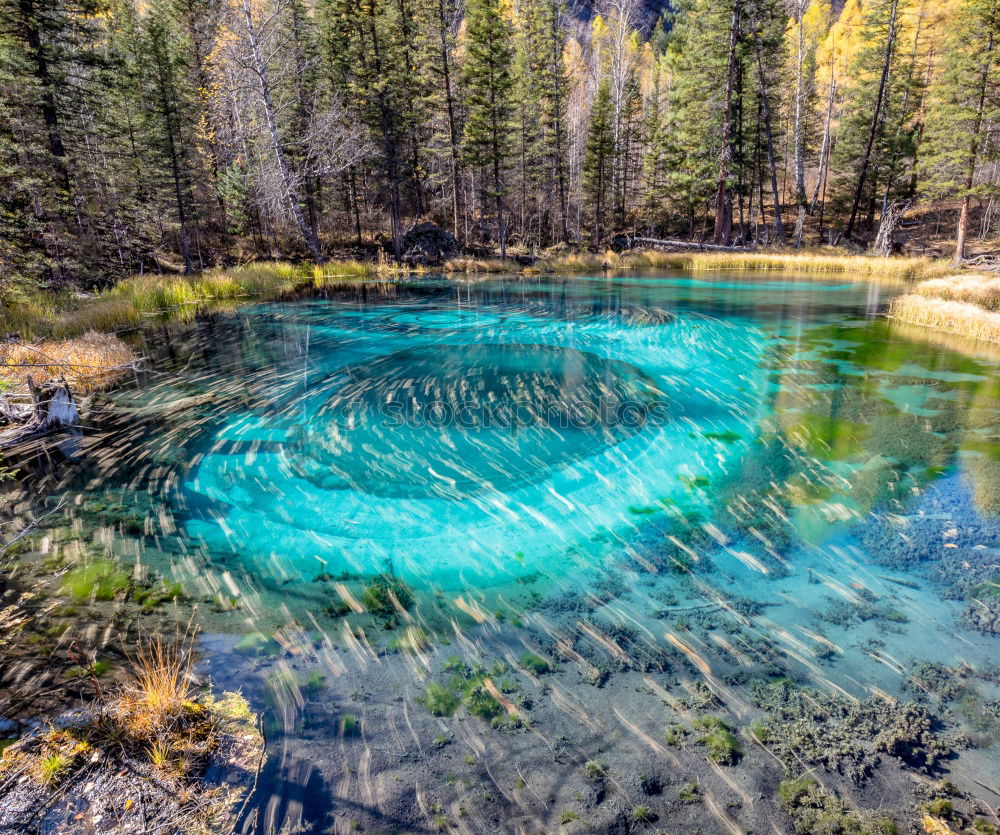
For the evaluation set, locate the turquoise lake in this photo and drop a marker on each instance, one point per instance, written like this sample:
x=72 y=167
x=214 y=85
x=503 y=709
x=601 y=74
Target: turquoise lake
x=667 y=485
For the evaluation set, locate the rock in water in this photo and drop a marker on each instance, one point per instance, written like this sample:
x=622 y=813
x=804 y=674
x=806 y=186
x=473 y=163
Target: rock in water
x=428 y=243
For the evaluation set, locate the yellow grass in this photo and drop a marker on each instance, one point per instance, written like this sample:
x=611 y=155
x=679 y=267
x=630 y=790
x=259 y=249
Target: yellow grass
x=971 y=288
x=161 y=695
x=967 y=320
x=87 y=362
x=135 y=300
x=819 y=262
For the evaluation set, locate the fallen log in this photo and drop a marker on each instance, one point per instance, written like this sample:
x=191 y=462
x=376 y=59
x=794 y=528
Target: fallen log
x=657 y=242
x=52 y=406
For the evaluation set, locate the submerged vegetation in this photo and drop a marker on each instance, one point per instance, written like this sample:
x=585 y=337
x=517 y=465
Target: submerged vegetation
x=690 y=653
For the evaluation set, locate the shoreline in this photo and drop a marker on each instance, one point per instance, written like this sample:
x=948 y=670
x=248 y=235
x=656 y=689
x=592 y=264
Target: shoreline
x=77 y=335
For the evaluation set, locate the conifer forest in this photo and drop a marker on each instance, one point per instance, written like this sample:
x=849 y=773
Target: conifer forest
x=172 y=135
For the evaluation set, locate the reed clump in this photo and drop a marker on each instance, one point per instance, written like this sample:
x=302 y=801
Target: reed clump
x=88 y=362
x=818 y=262
x=968 y=320
x=972 y=288
x=134 y=300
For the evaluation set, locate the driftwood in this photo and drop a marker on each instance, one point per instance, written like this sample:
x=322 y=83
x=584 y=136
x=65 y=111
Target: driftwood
x=52 y=405
x=667 y=244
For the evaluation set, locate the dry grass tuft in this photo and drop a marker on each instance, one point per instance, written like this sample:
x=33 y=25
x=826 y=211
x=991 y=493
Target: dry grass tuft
x=480 y=265
x=971 y=288
x=88 y=362
x=818 y=262
x=967 y=320
x=160 y=700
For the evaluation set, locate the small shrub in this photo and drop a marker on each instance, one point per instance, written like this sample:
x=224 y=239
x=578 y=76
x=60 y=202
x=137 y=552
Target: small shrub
x=595 y=769
x=53 y=767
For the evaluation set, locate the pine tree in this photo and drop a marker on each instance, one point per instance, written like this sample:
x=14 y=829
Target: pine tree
x=488 y=86
x=366 y=47
x=699 y=146
x=871 y=109
x=547 y=37
x=599 y=155
x=172 y=101
x=965 y=108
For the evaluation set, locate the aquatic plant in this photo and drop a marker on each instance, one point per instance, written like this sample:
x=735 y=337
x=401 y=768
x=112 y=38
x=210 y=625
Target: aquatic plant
x=718 y=738
x=689 y=792
x=149 y=597
x=413 y=639
x=983 y=614
x=815 y=810
x=650 y=785
x=843 y=735
x=674 y=735
x=439 y=700
x=256 y=643
x=348 y=726
x=97 y=580
x=643 y=814
x=480 y=702
x=387 y=594
x=535 y=663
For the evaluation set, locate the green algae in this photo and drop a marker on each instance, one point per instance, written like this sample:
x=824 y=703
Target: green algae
x=97 y=580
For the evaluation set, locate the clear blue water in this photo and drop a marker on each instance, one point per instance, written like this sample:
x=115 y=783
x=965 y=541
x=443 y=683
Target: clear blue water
x=662 y=478
x=471 y=445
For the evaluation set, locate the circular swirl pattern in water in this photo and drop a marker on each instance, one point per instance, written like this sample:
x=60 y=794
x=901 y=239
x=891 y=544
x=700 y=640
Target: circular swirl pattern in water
x=453 y=420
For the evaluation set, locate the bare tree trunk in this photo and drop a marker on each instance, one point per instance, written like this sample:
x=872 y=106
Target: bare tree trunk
x=175 y=168
x=824 y=153
x=884 y=240
x=890 y=45
x=291 y=192
x=973 y=156
x=449 y=99
x=800 y=164
x=724 y=197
